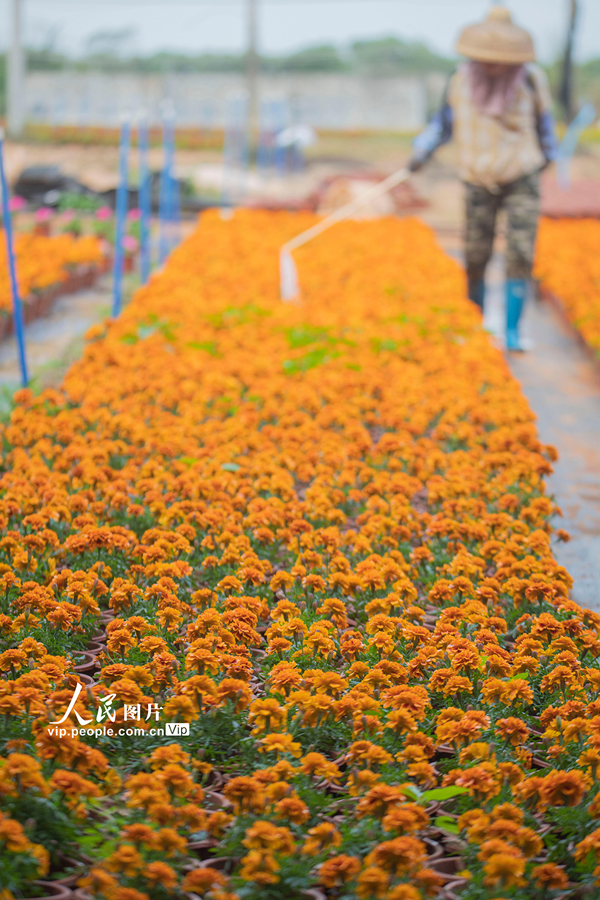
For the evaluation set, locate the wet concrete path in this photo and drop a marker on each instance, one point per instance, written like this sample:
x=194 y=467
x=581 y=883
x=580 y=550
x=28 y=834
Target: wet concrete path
x=562 y=383
x=56 y=340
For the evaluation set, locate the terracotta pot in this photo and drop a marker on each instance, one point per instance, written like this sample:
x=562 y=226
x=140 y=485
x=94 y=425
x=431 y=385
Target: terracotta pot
x=50 y=890
x=447 y=867
x=221 y=863
x=434 y=850
x=217 y=799
x=453 y=889
x=83 y=677
x=215 y=781
x=80 y=894
x=71 y=880
x=95 y=647
x=202 y=849
x=89 y=665
x=445 y=750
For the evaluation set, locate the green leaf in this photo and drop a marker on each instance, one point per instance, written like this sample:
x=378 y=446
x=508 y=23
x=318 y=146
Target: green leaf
x=444 y=793
x=303 y=335
x=379 y=344
x=230 y=467
x=208 y=346
x=447 y=823
x=522 y=676
x=309 y=361
x=411 y=790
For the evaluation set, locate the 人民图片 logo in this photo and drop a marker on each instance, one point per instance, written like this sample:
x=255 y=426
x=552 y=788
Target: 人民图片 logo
x=142 y=719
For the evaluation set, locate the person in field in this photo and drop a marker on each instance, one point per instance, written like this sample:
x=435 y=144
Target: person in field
x=497 y=107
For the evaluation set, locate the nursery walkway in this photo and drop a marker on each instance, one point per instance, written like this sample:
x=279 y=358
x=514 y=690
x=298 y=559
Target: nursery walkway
x=55 y=340
x=562 y=383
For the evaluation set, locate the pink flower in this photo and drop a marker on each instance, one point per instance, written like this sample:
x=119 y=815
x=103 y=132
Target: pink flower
x=129 y=243
x=43 y=214
x=16 y=203
x=104 y=213
x=134 y=215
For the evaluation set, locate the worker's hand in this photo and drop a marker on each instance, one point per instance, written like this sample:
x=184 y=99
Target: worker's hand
x=415 y=164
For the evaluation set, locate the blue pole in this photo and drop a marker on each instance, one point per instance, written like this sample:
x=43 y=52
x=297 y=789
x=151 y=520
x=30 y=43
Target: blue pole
x=12 y=269
x=176 y=204
x=166 y=191
x=145 y=205
x=121 y=214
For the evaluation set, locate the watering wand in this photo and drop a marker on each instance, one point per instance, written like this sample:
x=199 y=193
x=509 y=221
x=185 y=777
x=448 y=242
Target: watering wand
x=289 y=286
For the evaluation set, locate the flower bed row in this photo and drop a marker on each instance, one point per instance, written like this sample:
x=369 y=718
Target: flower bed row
x=46 y=268
x=279 y=611
x=568 y=267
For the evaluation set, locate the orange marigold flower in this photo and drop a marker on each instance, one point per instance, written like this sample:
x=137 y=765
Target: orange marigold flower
x=512 y=730
x=549 y=876
x=400 y=855
x=565 y=788
x=260 y=867
x=320 y=838
x=160 y=873
x=338 y=870
x=504 y=870
x=201 y=881
x=372 y=882
x=280 y=744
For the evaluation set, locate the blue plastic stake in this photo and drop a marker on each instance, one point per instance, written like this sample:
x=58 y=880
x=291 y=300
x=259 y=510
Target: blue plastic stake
x=12 y=269
x=121 y=215
x=582 y=120
x=166 y=191
x=145 y=205
x=176 y=210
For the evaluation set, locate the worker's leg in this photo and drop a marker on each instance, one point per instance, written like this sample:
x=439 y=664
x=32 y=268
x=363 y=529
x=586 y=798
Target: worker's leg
x=522 y=201
x=481 y=209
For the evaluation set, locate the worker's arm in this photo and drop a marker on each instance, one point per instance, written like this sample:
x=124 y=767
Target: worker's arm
x=546 y=129
x=545 y=123
x=437 y=132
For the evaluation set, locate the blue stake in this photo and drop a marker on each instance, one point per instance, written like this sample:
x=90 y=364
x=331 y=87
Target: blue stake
x=145 y=205
x=166 y=191
x=12 y=269
x=176 y=211
x=121 y=214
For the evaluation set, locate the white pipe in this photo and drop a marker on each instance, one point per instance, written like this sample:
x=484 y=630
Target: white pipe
x=15 y=107
x=287 y=267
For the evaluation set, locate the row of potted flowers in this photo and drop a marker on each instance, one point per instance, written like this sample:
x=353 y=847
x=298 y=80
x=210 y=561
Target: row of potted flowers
x=279 y=611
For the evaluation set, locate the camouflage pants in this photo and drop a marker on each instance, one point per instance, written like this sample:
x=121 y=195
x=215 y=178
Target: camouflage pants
x=521 y=200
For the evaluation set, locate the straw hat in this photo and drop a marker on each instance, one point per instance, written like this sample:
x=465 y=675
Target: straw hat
x=497 y=40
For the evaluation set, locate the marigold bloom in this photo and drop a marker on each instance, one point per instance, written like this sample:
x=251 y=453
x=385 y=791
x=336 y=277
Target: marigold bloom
x=504 y=870
x=564 y=788
x=320 y=838
x=201 y=881
x=400 y=855
x=338 y=870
